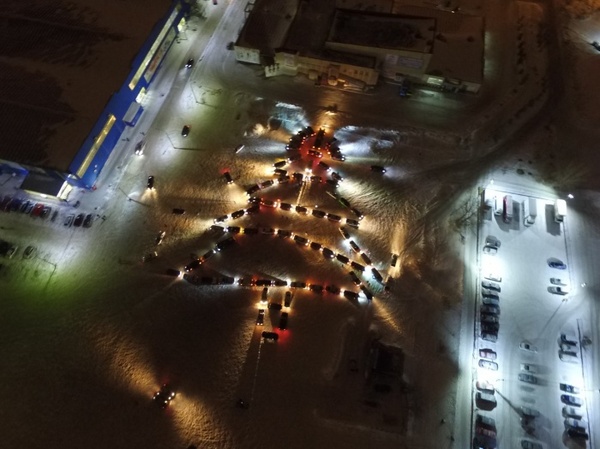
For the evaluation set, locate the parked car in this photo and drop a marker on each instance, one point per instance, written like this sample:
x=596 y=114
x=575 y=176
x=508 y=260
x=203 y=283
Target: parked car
x=378 y=169
x=485 y=386
x=87 y=221
x=354 y=277
x=488 y=365
x=569 y=388
x=528 y=368
x=260 y=319
x=558 y=264
x=287 y=299
x=557 y=281
x=394 y=260
x=228 y=178
x=353 y=223
x=139 y=147
x=577 y=434
x=354 y=246
x=490 y=240
x=344 y=233
x=189 y=64
x=491 y=301
x=528 y=444
x=283 y=321
x=301 y=240
x=69 y=220
x=78 y=220
x=490 y=309
x=491 y=286
x=489 y=336
x=327 y=253
x=492 y=250
x=316 y=246
x=150 y=183
x=149 y=257
x=558 y=290
x=572 y=412
x=525 y=346
x=487 y=354
x=528 y=378
x=173 y=272
x=271 y=336
x=29 y=252
x=333 y=289
x=493 y=277
x=185 y=131
x=285 y=206
x=572 y=423
x=529 y=412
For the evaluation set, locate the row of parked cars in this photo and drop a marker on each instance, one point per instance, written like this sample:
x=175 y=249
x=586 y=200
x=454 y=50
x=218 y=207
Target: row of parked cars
x=41 y=210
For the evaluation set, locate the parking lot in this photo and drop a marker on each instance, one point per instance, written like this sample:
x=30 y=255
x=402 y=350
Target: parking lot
x=532 y=360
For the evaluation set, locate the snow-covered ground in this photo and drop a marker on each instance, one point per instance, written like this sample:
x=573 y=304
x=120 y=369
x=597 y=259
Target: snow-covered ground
x=89 y=332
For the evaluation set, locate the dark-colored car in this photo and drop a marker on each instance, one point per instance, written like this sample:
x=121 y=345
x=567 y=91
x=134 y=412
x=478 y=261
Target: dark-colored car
x=263 y=282
x=358 y=213
x=87 y=221
x=302 y=210
x=192 y=265
x=283 y=321
x=332 y=182
x=349 y=294
x=173 y=272
x=327 y=253
x=45 y=212
x=298 y=177
x=353 y=223
x=280 y=164
x=69 y=220
x=316 y=288
x=185 y=131
x=287 y=300
x=238 y=214
x=367 y=292
x=337 y=156
x=150 y=183
x=253 y=209
x=207 y=255
x=164 y=396
x=178 y=211
x=285 y=206
x=316 y=246
x=260 y=319
x=333 y=217
x=265 y=184
x=228 y=177
x=354 y=246
x=300 y=240
x=577 y=434
x=221 y=219
x=344 y=202
x=557 y=264
x=274 y=306
x=323 y=165
x=342 y=259
x=344 y=233
x=354 y=277
x=224 y=244
x=78 y=220
x=255 y=188
x=315 y=153
x=377 y=275
x=283 y=179
x=316 y=179
x=298 y=284
x=394 y=260
x=318 y=213
x=333 y=289
x=283 y=233
x=357 y=266
x=280 y=172
x=233 y=229
x=273 y=336
x=366 y=259
x=335 y=175
x=378 y=169
x=189 y=64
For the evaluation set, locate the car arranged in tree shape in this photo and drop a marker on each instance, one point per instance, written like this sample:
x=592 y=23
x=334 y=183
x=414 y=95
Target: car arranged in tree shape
x=164 y=396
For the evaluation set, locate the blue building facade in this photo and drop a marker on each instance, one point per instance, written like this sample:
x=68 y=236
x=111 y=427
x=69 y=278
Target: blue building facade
x=125 y=107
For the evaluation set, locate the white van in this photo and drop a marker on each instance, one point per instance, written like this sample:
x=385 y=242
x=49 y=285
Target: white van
x=507 y=209
x=498 y=208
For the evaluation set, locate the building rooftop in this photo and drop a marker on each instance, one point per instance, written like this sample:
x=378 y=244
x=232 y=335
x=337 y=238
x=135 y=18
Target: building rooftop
x=59 y=65
x=366 y=29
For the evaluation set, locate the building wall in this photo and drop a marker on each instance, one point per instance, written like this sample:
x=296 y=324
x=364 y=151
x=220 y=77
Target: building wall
x=91 y=158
